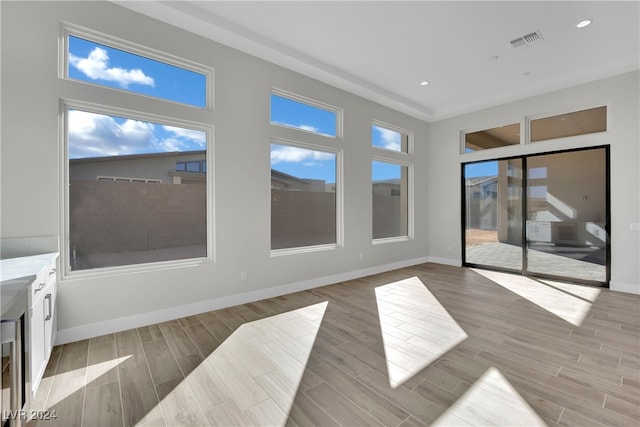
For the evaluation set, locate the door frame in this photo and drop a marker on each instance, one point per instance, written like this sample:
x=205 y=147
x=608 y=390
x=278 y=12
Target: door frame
x=524 y=271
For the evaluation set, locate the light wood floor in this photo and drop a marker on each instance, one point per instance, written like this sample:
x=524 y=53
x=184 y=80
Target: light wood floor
x=423 y=345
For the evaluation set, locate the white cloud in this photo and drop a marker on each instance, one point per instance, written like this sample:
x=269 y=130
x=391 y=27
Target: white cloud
x=96 y=67
x=196 y=136
x=97 y=135
x=298 y=155
x=92 y=135
x=390 y=138
x=308 y=128
x=172 y=144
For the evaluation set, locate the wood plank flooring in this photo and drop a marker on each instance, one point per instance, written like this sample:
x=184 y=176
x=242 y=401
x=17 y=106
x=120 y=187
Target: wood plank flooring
x=423 y=345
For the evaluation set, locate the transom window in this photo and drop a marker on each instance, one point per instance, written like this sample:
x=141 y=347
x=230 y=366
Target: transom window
x=575 y=123
x=297 y=112
x=98 y=63
x=389 y=138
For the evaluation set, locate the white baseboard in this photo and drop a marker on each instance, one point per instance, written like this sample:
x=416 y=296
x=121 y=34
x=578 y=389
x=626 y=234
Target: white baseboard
x=446 y=261
x=97 y=329
x=632 y=288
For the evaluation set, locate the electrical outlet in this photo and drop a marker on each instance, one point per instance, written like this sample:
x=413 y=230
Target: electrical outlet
x=634 y=226
x=243 y=275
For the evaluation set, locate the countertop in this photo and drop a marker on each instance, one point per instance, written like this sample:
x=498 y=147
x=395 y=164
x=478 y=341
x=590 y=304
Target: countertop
x=16 y=274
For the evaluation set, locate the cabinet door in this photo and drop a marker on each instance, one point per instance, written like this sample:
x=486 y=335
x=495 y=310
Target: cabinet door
x=37 y=347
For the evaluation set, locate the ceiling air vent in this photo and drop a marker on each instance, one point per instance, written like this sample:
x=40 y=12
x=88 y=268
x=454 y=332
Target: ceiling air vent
x=526 y=40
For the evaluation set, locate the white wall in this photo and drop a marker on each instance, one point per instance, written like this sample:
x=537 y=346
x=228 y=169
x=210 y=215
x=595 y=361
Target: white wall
x=31 y=166
x=619 y=93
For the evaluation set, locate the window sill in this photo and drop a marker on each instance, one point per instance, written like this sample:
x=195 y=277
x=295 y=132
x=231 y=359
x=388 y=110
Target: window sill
x=390 y=240
x=302 y=250
x=132 y=269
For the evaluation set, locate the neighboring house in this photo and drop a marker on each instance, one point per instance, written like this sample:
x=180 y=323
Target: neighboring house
x=186 y=167
x=284 y=181
x=482 y=197
x=482 y=187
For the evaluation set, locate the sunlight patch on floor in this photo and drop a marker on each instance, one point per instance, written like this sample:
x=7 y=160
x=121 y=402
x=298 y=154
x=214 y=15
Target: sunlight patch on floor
x=416 y=328
x=490 y=401
x=569 y=302
x=77 y=379
x=252 y=378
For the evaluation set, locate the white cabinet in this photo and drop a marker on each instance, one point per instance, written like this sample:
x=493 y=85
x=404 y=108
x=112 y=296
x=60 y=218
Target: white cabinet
x=539 y=231
x=41 y=322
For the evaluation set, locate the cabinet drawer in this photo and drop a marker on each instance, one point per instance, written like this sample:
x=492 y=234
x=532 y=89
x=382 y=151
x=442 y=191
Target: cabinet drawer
x=49 y=273
x=37 y=286
x=44 y=278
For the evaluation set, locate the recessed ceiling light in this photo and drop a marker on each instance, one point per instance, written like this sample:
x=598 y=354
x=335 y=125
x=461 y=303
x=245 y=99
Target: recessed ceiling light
x=424 y=83
x=527 y=73
x=584 y=23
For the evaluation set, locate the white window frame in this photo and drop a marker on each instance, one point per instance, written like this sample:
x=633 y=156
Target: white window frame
x=68 y=29
x=65 y=256
x=402 y=131
x=410 y=200
x=313 y=103
x=339 y=198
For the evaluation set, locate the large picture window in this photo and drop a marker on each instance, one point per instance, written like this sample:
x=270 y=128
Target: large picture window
x=303 y=196
x=160 y=215
x=390 y=199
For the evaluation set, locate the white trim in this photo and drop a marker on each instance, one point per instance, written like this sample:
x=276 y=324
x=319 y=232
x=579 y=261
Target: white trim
x=96 y=329
x=394 y=239
x=632 y=288
x=302 y=250
x=445 y=261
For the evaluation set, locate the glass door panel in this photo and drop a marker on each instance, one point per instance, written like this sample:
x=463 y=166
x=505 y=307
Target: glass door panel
x=493 y=214
x=567 y=214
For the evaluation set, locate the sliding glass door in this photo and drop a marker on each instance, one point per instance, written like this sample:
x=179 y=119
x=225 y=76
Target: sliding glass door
x=557 y=203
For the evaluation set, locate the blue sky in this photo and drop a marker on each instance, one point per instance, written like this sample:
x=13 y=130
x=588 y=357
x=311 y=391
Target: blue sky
x=489 y=168
x=97 y=135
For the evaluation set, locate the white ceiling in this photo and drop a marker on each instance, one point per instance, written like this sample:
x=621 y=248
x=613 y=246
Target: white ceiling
x=382 y=50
